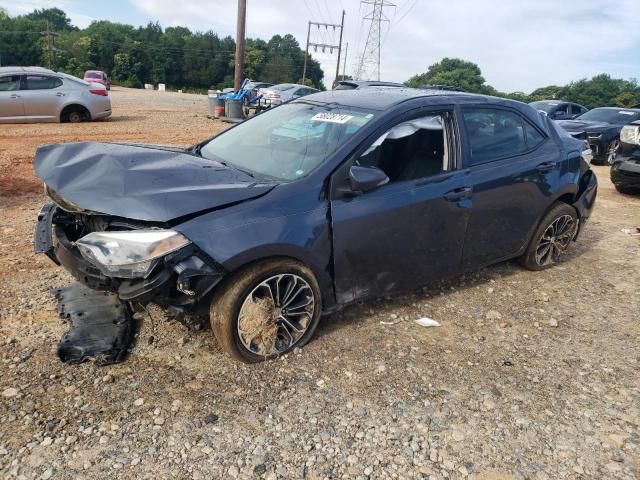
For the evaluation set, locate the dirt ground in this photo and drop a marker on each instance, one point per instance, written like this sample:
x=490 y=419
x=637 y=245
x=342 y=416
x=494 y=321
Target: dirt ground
x=530 y=376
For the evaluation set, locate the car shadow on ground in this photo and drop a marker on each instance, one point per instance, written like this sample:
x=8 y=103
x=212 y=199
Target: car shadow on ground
x=124 y=118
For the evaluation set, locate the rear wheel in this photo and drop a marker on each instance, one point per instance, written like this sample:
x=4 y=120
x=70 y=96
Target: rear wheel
x=75 y=114
x=552 y=238
x=266 y=310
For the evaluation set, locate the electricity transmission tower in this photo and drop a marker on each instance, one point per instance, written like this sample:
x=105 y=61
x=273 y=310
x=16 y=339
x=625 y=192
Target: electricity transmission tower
x=369 y=65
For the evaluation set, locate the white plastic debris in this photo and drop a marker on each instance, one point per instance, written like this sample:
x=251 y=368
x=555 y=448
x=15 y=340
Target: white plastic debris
x=427 y=322
x=634 y=232
x=392 y=322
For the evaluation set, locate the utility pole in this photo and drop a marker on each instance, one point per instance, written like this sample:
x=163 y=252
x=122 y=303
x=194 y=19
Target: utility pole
x=306 y=54
x=344 y=65
x=51 y=48
x=240 y=35
x=339 y=50
x=323 y=46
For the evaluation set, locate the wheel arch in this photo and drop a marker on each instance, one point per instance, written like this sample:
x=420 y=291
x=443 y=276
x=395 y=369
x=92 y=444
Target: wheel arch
x=322 y=273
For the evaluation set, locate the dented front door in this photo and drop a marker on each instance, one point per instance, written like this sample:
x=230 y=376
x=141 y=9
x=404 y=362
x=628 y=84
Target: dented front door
x=400 y=236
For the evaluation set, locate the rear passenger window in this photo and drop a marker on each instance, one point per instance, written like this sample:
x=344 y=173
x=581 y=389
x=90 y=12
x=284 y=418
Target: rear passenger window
x=42 y=82
x=495 y=134
x=10 y=83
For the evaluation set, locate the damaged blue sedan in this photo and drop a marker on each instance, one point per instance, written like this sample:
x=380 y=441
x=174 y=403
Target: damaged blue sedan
x=305 y=208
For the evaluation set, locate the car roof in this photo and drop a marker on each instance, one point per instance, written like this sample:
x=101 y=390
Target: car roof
x=616 y=108
x=375 y=98
x=96 y=71
x=551 y=100
x=25 y=70
x=369 y=83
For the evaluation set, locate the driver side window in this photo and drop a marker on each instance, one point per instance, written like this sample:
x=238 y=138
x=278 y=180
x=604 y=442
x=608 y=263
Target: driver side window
x=412 y=149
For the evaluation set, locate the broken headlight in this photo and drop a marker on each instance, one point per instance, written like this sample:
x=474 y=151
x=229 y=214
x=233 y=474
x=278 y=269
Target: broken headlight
x=130 y=254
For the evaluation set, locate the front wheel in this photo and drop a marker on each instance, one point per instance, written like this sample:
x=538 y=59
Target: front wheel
x=552 y=238
x=266 y=310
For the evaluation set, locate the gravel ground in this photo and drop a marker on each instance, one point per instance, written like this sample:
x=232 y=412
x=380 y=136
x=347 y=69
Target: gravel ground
x=530 y=376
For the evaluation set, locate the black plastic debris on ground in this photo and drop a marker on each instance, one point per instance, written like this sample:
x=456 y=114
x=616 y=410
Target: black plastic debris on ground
x=101 y=325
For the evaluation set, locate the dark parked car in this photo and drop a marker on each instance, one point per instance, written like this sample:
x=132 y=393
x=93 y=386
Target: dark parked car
x=558 y=109
x=601 y=127
x=625 y=171
x=332 y=198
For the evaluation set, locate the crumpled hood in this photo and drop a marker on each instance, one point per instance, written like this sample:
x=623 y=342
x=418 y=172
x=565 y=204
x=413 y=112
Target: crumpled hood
x=141 y=182
x=582 y=126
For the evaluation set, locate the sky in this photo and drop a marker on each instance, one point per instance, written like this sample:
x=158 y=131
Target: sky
x=519 y=44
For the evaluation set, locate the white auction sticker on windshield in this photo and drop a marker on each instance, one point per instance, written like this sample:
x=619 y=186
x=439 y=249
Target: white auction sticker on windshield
x=331 y=117
x=623 y=112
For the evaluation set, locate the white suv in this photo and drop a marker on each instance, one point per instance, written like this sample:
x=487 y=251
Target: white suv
x=34 y=94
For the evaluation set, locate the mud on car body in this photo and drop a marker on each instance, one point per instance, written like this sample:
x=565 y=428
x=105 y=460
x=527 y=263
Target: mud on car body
x=340 y=196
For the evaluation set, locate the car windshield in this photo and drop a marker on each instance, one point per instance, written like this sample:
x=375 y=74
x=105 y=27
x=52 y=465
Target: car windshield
x=546 y=107
x=93 y=75
x=287 y=142
x=615 y=116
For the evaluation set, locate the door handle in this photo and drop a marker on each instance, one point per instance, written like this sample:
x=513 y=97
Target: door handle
x=457 y=194
x=60 y=94
x=546 y=166
x=14 y=96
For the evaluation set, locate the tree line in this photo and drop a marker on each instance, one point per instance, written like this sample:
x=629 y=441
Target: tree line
x=188 y=60
x=132 y=56
x=600 y=91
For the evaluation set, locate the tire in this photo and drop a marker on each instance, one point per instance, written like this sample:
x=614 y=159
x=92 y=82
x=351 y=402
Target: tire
x=556 y=230
x=623 y=189
x=250 y=326
x=75 y=117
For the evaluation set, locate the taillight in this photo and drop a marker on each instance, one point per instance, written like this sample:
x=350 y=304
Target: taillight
x=104 y=93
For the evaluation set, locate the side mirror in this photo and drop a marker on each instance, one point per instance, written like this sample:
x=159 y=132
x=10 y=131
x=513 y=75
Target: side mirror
x=365 y=179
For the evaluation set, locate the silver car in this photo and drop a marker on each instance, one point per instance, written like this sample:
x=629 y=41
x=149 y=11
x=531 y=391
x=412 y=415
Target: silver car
x=34 y=94
x=282 y=93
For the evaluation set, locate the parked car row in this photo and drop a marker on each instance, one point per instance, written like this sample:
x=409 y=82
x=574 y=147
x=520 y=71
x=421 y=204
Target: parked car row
x=34 y=94
x=601 y=127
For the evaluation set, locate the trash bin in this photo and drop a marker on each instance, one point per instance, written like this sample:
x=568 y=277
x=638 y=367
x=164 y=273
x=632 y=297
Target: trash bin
x=219 y=108
x=233 y=108
x=213 y=97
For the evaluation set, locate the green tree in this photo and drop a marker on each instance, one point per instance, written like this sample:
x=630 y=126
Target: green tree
x=453 y=72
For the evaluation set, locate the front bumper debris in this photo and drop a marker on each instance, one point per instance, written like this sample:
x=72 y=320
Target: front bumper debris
x=101 y=325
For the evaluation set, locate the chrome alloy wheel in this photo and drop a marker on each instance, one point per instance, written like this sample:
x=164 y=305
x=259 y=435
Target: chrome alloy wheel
x=276 y=314
x=555 y=240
